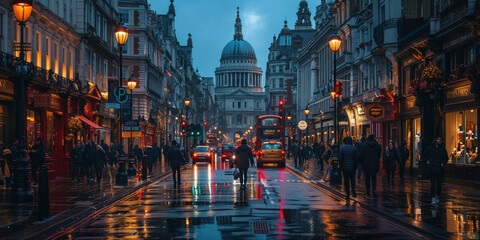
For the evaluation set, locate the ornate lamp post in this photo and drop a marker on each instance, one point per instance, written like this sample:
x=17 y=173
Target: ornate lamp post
x=306 y=111
x=334 y=42
x=21 y=184
x=132 y=83
x=321 y=124
x=187 y=102
x=121 y=36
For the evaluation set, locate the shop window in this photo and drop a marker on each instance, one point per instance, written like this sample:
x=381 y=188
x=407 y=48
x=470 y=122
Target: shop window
x=462 y=137
x=50 y=137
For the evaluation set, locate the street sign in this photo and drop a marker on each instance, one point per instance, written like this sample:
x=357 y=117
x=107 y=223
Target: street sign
x=121 y=95
x=132 y=128
x=131 y=134
x=131 y=123
x=302 y=125
x=112 y=105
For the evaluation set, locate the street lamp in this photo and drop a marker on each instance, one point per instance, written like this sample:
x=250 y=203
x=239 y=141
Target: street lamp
x=21 y=183
x=334 y=42
x=321 y=124
x=187 y=102
x=132 y=83
x=306 y=111
x=121 y=36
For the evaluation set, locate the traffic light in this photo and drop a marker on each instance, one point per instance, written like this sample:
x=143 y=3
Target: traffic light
x=184 y=126
x=281 y=108
x=190 y=129
x=337 y=90
x=198 y=129
x=205 y=123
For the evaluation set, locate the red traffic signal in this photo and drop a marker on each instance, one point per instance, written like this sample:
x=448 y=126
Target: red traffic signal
x=281 y=102
x=205 y=123
x=184 y=123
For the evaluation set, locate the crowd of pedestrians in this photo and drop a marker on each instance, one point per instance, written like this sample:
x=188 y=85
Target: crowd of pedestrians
x=367 y=157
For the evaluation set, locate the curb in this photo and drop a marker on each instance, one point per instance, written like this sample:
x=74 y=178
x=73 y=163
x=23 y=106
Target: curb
x=52 y=229
x=367 y=207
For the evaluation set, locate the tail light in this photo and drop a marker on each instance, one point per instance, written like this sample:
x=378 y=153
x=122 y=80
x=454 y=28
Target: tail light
x=195 y=155
x=209 y=155
x=283 y=152
x=261 y=152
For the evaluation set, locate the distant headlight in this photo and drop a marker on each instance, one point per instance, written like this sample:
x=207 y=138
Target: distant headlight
x=233 y=157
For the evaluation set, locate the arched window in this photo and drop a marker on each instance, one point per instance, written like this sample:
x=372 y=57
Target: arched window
x=239 y=119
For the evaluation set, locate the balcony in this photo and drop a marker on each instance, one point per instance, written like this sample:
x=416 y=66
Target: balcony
x=33 y=74
x=386 y=32
x=346 y=58
x=411 y=29
x=455 y=11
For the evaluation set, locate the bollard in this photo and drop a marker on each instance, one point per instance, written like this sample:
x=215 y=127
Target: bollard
x=335 y=176
x=121 y=177
x=144 y=167
x=43 y=194
x=131 y=169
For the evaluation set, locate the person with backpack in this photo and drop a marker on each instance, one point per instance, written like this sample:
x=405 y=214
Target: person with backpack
x=176 y=160
x=435 y=157
x=370 y=159
x=243 y=156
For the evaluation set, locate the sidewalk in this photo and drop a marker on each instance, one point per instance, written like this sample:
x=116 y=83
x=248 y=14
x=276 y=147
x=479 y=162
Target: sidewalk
x=458 y=214
x=67 y=198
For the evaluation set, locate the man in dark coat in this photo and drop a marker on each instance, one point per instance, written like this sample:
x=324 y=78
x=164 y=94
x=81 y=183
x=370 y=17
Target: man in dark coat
x=156 y=152
x=76 y=153
x=348 y=164
x=89 y=159
x=100 y=160
x=370 y=159
x=436 y=158
x=138 y=153
x=390 y=158
x=359 y=147
x=320 y=150
x=295 y=153
x=243 y=156
x=176 y=160
x=37 y=158
x=106 y=148
x=148 y=163
x=166 y=149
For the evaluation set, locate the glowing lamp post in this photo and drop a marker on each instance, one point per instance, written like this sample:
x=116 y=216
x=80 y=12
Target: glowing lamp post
x=335 y=42
x=306 y=111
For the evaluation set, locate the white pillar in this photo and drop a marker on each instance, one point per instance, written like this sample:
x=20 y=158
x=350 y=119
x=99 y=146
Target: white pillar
x=313 y=78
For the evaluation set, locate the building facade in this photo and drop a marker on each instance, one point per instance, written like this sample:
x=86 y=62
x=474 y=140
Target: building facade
x=238 y=86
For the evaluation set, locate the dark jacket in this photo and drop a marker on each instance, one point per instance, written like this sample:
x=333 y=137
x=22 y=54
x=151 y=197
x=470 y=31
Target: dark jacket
x=348 y=157
x=390 y=158
x=38 y=157
x=106 y=148
x=370 y=157
x=404 y=154
x=89 y=154
x=156 y=152
x=320 y=151
x=100 y=158
x=76 y=153
x=436 y=158
x=243 y=155
x=175 y=157
x=138 y=153
x=150 y=152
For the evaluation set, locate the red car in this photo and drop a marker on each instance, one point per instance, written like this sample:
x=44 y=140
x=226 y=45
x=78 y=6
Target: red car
x=203 y=154
x=227 y=151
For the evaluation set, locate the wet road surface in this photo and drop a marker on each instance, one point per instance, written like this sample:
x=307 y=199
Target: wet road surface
x=210 y=205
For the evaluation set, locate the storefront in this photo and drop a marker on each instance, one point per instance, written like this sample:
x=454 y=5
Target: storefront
x=461 y=125
x=7 y=92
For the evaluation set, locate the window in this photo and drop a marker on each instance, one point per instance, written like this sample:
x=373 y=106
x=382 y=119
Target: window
x=125 y=48
x=70 y=63
x=38 y=49
x=239 y=104
x=245 y=104
x=280 y=83
x=124 y=14
x=273 y=83
x=233 y=104
x=469 y=56
x=47 y=53
x=98 y=24
x=258 y=104
x=105 y=30
x=64 y=62
x=239 y=119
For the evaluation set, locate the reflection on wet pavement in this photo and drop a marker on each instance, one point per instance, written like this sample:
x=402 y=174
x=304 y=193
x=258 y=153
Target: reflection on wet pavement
x=457 y=216
x=209 y=205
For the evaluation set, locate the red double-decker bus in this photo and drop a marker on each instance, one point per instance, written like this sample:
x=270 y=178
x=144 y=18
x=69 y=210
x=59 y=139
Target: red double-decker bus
x=269 y=128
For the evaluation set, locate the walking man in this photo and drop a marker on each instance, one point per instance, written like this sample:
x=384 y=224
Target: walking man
x=404 y=156
x=100 y=160
x=295 y=153
x=390 y=158
x=348 y=164
x=359 y=147
x=76 y=153
x=243 y=156
x=89 y=160
x=37 y=157
x=370 y=158
x=176 y=160
x=436 y=158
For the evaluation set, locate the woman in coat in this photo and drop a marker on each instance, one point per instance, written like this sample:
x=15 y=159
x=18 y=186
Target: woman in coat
x=390 y=158
x=100 y=160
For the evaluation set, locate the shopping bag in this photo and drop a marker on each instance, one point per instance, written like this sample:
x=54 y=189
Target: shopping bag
x=236 y=174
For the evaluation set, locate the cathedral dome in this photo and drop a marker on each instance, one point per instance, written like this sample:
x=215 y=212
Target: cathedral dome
x=238 y=50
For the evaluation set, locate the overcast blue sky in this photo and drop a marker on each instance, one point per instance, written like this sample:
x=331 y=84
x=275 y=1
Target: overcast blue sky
x=211 y=23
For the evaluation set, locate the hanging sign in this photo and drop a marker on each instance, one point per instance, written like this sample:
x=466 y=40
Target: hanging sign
x=375 y=112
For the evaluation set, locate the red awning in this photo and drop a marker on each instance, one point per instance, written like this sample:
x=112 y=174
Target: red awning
x=92 y=124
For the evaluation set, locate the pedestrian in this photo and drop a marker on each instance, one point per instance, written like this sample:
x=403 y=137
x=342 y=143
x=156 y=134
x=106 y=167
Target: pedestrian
x=319 y=154
x=435 y=157
x=404 y=156
x=7 y=167
x=76 y=154
x=295 y=149
x=166 y=148
x=348 y=158
x=370 y=159
x=156 y=153
x=390 y=158
x=138 y=153
x=105 y=148
x=113 y=154
x=176 y=160
x=243 y=156
x=359 y=147
x=37 y=158
x=89 y=160
x=14 y=149
x=301 y=154
x=150 y=158
x=100 y=161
